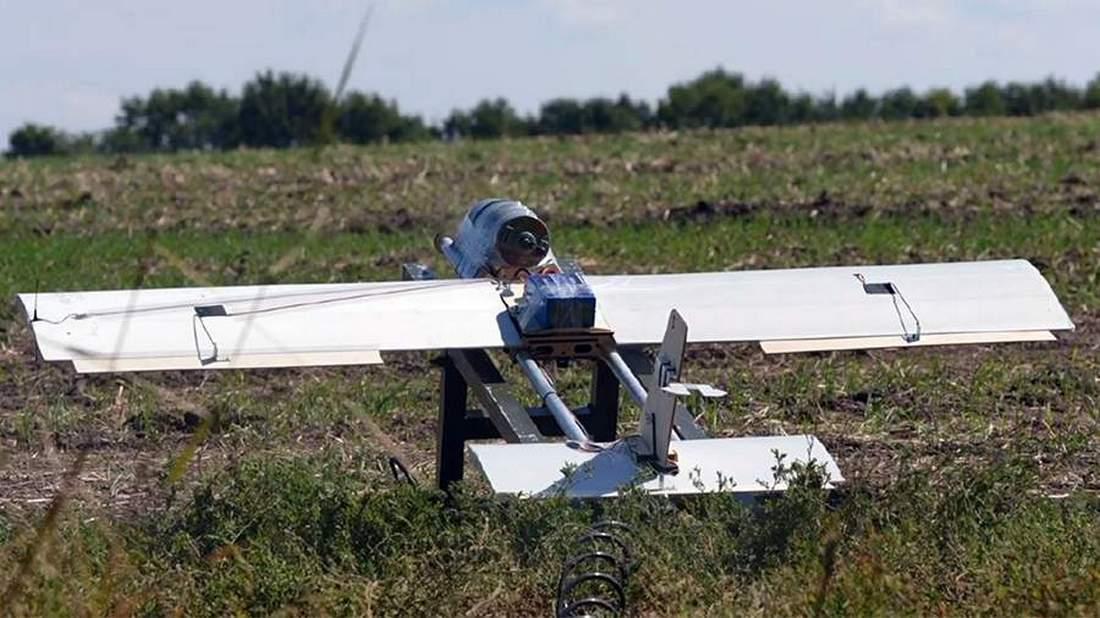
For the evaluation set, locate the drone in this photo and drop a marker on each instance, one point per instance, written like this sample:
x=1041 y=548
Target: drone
x=512 y=294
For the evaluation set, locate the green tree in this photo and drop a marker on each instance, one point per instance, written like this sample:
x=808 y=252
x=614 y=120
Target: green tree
x=858 y=106
x=279 y=111
x=488 y=119
x=561 y=116
x=802 y=108
x=715 y=99
x=636 y=109
x=457 y=125
x=766 y=103
x=120 y=140
x=368 y=118
x=1091 y=97
x=826 y=108
x=194 y=118
x=898 y=104
x=35 y=140
x=603 y=115
x=1018 y=100
x=1054 y=95
x=207 y=118
x=937 y=103
x=984 y=100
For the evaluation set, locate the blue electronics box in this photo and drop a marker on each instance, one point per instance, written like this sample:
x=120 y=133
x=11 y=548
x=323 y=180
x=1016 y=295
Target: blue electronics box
x=555 y=302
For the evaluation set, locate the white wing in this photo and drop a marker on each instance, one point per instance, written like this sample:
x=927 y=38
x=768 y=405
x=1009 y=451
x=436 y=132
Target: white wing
x=263 y=326
x=302 y=325
x=832 y=308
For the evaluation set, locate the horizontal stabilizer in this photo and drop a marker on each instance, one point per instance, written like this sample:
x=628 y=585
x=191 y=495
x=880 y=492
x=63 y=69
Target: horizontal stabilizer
x=744 y=466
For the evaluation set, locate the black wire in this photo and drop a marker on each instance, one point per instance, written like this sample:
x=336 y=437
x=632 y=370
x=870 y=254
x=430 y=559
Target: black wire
x=71 y=316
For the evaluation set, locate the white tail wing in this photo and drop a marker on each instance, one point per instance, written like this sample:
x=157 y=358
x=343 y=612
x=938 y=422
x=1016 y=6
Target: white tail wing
x=747 y=467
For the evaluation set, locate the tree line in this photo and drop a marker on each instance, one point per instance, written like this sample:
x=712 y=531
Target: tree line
x=282 y=110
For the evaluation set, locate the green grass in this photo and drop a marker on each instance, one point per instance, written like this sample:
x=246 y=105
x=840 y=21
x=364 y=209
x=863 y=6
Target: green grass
x=1063 y=246
x=956 y=167
x=286 y=505
x=303 y=536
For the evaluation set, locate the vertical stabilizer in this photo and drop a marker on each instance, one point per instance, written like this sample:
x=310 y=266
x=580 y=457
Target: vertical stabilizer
x=660 y=406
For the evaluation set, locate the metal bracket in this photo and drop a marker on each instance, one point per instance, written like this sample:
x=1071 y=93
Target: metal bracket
x=495 y=396
x=201 y=312
x=891 y=289
x=501 y=415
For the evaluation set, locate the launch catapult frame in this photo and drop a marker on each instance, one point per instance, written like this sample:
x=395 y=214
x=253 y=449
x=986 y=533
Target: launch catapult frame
x=512 y=294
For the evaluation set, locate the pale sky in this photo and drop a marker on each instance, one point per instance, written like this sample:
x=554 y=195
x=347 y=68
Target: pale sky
x=68 y=62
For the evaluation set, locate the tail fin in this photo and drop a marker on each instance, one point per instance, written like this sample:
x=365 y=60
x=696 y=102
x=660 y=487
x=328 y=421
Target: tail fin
x=660 y=405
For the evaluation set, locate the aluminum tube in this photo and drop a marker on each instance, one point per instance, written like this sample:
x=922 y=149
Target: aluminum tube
x=562 y=414
x=626 y=377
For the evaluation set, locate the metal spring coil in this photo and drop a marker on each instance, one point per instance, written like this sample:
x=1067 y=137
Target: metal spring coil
x=593 y=580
